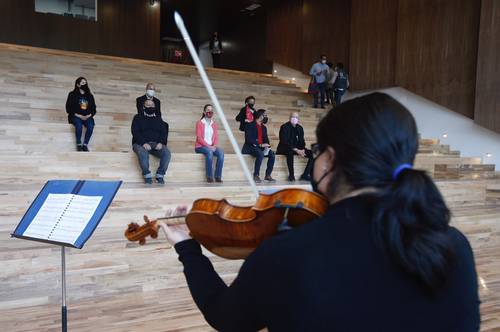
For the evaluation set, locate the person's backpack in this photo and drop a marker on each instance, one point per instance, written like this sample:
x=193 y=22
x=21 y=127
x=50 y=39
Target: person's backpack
x=341 y=81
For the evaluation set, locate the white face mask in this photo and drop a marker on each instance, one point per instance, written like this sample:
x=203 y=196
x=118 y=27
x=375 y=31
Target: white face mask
x=323 y=61
x=150 y=93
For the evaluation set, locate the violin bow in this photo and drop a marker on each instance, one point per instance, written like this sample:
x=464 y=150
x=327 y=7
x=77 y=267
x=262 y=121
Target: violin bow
x=182 y=28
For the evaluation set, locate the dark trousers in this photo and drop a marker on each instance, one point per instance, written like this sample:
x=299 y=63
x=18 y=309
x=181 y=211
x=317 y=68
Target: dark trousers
x=79 y=124
x=289 y=161
x=216 y=60
x=259 y=156
x=143 y=157
x=338 y=95
x=321 y=93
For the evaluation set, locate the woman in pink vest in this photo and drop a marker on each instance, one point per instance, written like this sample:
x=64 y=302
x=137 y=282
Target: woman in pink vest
x=207 y=139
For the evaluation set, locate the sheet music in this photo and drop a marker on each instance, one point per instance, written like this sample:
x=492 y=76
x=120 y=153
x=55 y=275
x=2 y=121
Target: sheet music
x=63 y=217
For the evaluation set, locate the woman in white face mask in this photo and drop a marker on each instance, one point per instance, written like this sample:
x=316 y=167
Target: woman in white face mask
x=150 y=95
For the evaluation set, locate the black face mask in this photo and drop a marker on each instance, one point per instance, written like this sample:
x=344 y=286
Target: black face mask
x=150 y=111
x=264 y=121
x=314 y=183
x=85 y=88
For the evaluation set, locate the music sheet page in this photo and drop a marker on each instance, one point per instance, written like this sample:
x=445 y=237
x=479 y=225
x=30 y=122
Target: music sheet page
x=63 y=217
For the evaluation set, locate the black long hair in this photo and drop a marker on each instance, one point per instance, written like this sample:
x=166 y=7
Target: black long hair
x=86 y=88
x=204 y=109
x=373 y=135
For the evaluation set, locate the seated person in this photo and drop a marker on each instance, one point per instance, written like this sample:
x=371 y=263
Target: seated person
x=207 y=138
x=246 y=114
x=150 y=95
x=81 y=110
x=149 y=136
x=292 y=143
x=257 y=144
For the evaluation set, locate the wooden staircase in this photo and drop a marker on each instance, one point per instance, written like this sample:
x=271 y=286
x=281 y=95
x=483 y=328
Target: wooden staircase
x=114 y=285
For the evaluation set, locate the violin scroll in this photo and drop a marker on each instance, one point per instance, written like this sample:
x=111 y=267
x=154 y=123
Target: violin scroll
x=135 y=232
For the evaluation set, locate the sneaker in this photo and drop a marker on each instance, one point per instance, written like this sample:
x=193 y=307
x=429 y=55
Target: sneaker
x=257 y=179
x=219 y=180
x=148 y=180
x=85 y=148
x=79 y=147
x=160 y=180
x=291 y=178
x=210 y=179
x=305 y=178
x=269 y=178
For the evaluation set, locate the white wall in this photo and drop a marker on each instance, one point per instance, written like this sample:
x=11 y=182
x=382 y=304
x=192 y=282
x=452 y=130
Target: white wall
x=434 y=120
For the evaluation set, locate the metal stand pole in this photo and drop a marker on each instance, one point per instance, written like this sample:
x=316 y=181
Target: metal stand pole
x=63 y=284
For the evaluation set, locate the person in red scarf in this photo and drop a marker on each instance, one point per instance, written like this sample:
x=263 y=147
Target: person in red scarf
x=257 y=145
x=246 y=114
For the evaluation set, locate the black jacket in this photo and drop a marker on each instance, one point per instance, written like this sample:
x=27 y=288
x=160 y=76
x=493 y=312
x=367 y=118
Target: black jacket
x=140 y=104
x=329 y=275
x=242 y=115
x=251 y=134
x=211 y=44
x=73 y=104
x=287 y=139
x=149 y=129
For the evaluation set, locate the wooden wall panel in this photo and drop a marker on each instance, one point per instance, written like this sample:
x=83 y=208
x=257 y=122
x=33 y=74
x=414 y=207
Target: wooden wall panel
x=326 y=30
x=284 y=33
x=487 y=108
x=373 y=43
x=437 y=51
x=124 y=28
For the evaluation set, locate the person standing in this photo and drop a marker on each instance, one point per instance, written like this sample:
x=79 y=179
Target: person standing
x=207 y=139
x=257 y=145
x=149 y=136
x=149 y=95
x=318 y=71
x=340 y=82
x=246 y=114
x=292 y=143
x=215 y=47
x=81 y=110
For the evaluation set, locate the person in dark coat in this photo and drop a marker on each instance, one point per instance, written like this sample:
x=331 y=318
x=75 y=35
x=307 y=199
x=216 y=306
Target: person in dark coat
x=246 y=114
x=257 y=145
x=383 y=257
x=149 y=136
x=215 y=46
x=150 y=95
x=292 y=144
x=81 y=110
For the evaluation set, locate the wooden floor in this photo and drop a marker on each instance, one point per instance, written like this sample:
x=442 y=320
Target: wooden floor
x=114 y=285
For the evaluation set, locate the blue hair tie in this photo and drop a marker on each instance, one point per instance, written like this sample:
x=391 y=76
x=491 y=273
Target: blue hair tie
x=399 y=169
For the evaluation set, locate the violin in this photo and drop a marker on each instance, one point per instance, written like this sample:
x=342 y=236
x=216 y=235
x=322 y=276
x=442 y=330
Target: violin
x=228 y=230
x=233 y=232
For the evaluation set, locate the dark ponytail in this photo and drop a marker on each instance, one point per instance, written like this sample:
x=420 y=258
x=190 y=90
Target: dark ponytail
x=372 y=137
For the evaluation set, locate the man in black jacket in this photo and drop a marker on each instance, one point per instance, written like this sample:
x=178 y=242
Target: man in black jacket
x=149 y=136
x=257 y=145
x=150 y=95
x=292 y=143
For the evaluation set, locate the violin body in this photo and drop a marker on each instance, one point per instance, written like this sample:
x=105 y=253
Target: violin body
x=234 y=232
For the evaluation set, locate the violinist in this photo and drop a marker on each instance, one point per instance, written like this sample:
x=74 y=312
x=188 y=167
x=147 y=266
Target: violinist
x=382 y=258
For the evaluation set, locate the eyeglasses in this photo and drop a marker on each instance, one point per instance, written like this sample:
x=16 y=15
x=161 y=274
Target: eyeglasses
x=317 y=150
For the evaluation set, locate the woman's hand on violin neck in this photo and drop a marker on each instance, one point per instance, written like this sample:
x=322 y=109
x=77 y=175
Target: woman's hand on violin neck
x=176 y=233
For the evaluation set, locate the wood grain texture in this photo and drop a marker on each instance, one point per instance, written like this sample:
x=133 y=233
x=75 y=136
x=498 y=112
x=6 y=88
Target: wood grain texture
x=124 y=28
x=373 y=44
x=437 y=51
x=487 y=108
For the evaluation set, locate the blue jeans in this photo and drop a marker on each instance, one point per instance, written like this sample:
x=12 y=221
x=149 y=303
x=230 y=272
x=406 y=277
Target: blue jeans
x=321 y=92
x=79 y=124
x=209 y=157
x=259 y=156
x=338 y=95
x=143 y=156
